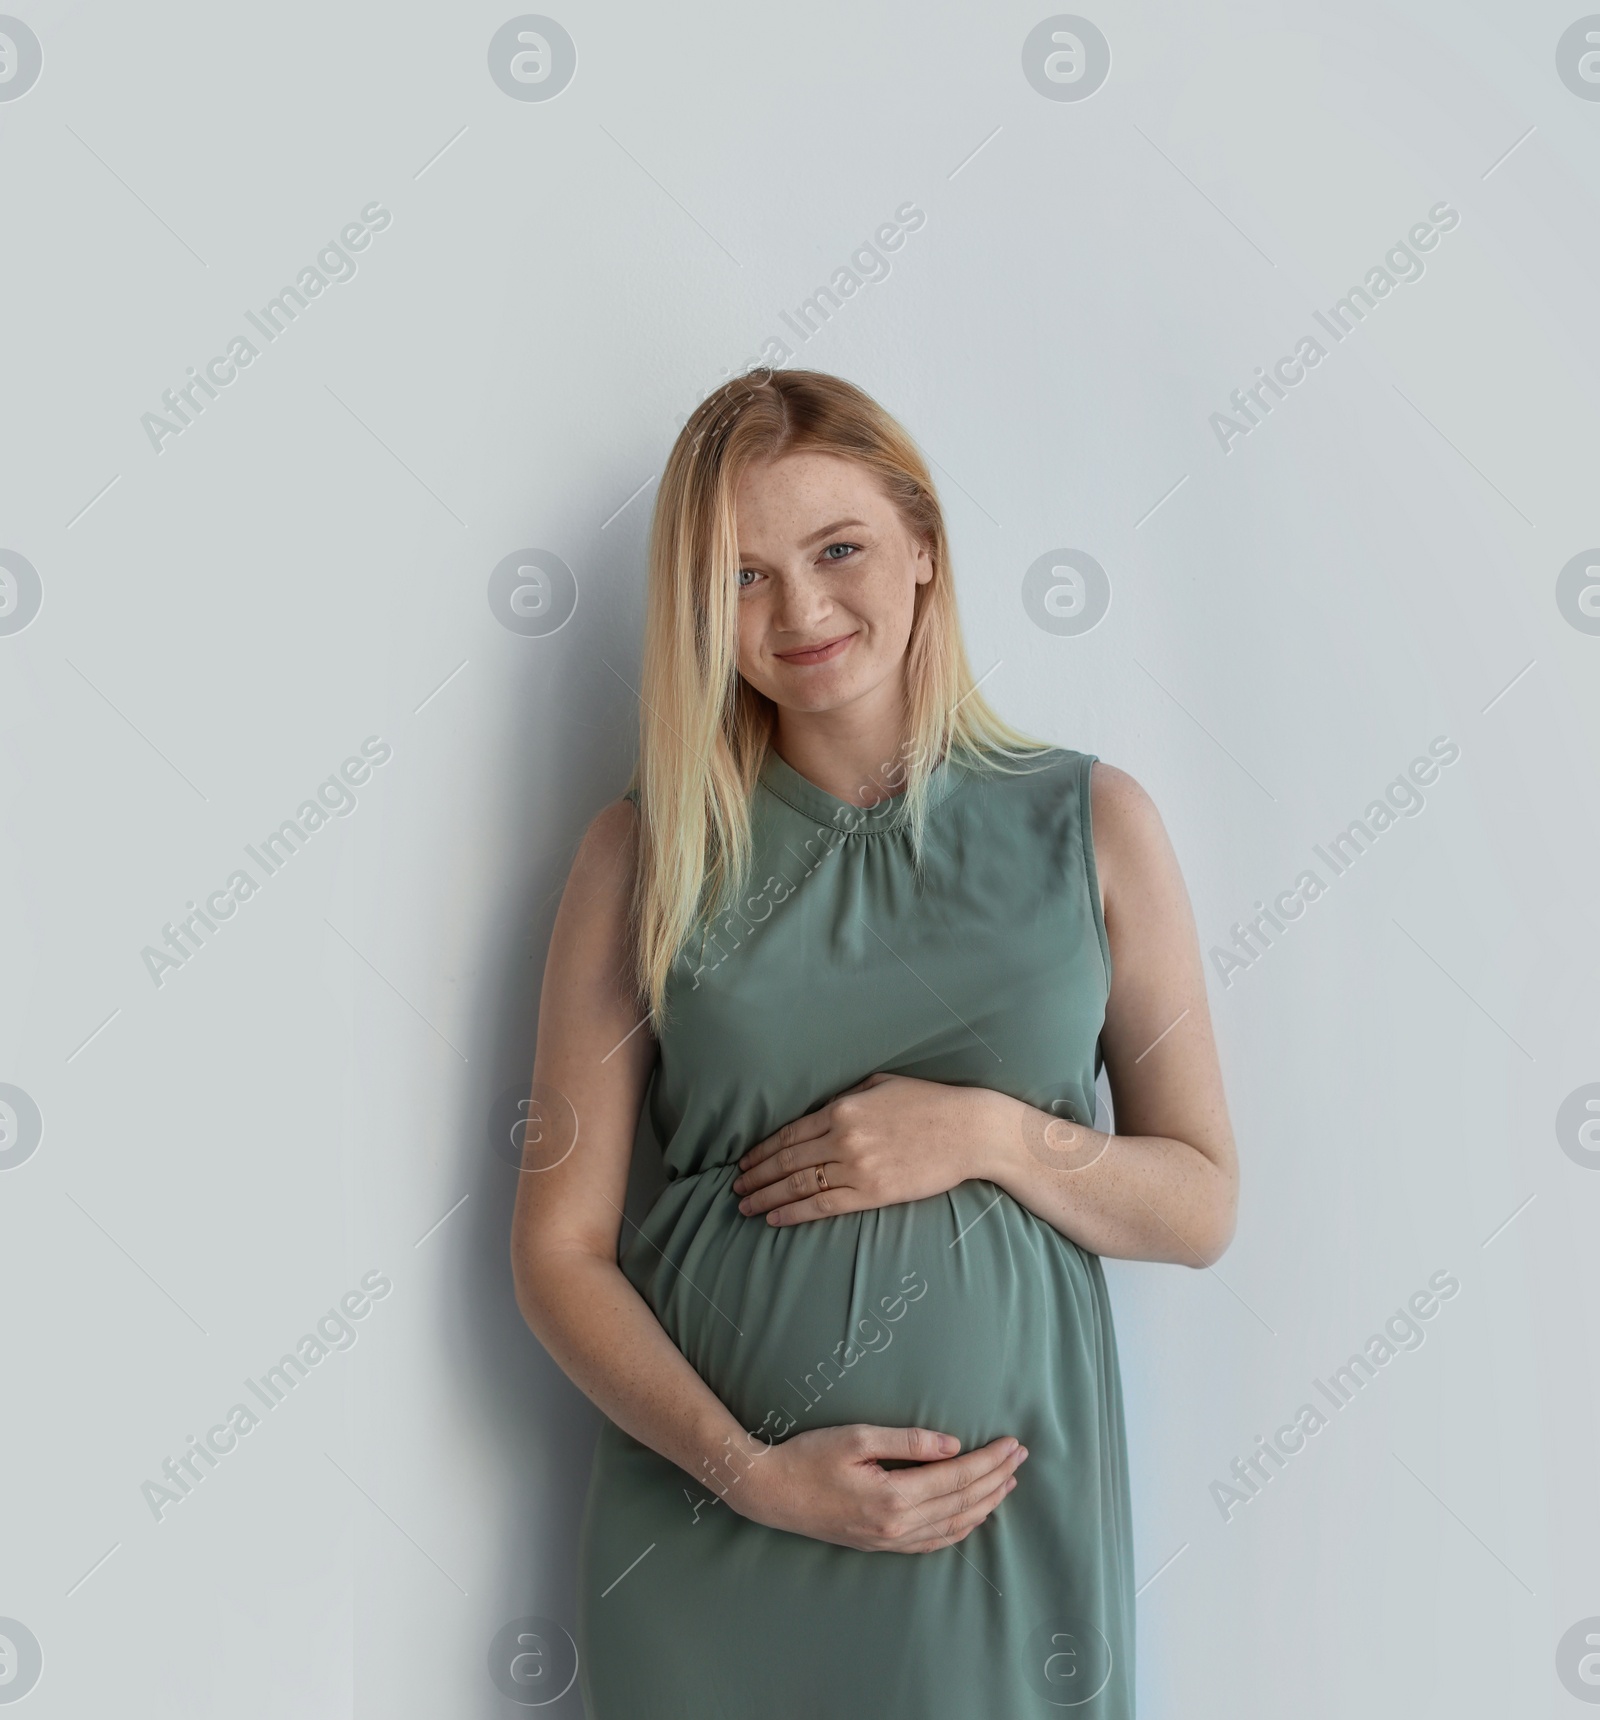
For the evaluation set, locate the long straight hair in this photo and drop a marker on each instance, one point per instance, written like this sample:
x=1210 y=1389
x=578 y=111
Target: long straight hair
x=704 y=731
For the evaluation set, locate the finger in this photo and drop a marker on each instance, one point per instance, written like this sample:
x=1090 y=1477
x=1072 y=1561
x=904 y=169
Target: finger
x=956 y=1514
x=939 y=1480
x=802 y=1156
x=798 y=1186
x=917 y=1445
x=876 y=1080
x=826 y=1203
x=904 y=1444
x=801 y=1129
x=959 y=1527
x=965 y=1512
x=966 y=1483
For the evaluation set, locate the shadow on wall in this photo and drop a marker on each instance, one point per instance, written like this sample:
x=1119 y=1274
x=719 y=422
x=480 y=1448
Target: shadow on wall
x=539 y=1425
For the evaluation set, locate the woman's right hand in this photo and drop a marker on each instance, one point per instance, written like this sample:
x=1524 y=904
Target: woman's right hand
x=830 y=1484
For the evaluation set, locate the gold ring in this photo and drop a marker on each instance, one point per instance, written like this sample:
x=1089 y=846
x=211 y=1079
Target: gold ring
x=822 y=1177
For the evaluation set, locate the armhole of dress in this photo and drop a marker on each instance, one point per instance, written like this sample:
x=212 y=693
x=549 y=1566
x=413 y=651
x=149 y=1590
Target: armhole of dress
x=1091 y=871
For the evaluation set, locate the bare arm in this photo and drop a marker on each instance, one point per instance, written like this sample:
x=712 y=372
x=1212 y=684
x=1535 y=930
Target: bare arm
x=568 y=1216
x=1165 y=1186
x=592 y=1063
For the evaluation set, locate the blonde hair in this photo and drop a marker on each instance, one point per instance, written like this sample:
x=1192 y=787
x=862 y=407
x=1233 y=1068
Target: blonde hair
x=704 y=731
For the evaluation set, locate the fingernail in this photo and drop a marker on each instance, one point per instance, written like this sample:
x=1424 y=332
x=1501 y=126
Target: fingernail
x=1011 y=1483
x=1010 y=1446
x=744 y=1206
x=1024 y=1450
x=949 y=1442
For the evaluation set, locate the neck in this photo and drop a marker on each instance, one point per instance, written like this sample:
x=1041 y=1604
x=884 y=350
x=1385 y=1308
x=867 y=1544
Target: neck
x=855 y=753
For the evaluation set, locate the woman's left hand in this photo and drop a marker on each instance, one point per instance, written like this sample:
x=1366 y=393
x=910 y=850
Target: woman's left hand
x=892 y=1139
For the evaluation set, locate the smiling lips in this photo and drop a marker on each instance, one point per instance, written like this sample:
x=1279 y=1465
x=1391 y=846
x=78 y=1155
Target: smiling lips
x=823 y=653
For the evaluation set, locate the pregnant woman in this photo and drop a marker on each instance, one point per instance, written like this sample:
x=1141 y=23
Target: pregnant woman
x=851 y=954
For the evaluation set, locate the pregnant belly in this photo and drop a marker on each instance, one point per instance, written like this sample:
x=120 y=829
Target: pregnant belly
x=963 y=1313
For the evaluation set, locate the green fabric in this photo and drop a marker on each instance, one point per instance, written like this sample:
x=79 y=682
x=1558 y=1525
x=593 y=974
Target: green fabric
x=964 y=1313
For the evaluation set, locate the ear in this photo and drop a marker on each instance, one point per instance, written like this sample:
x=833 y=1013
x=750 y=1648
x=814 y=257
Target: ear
x=924 y=564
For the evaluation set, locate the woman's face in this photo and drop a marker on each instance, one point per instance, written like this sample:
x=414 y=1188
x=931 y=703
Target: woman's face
x=827 y=581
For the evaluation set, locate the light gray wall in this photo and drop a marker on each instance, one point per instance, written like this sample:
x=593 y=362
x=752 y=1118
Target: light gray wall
x=1293 y=618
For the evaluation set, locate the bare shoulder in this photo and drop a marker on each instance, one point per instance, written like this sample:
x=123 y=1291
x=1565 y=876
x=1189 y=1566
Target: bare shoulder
x=600 y=882
x=612 y=834
x=1133 y=853
x=1124 y=815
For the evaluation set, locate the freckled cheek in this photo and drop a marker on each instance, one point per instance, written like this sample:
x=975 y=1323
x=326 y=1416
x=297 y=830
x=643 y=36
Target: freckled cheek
x=888 y=606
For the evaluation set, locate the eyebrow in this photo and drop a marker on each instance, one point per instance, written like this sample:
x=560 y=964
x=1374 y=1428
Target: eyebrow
x=828 y=531
x=816 y=537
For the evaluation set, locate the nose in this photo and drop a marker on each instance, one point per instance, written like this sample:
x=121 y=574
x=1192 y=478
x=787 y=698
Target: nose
x=802 y=604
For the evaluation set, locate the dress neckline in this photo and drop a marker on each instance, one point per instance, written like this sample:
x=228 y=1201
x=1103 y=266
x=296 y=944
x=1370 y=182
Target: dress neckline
x=781 y=779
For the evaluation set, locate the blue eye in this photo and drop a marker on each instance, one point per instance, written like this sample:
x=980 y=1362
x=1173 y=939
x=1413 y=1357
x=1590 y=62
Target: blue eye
x=848 y=548
x=745 y=578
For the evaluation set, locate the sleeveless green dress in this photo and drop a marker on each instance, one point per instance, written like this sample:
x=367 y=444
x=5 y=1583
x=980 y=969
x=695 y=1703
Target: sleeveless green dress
x=964 y=1313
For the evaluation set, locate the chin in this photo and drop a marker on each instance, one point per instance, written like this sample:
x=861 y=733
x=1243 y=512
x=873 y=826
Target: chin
x=820 y=695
